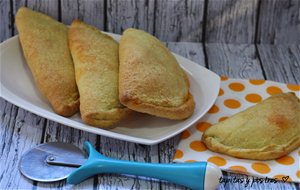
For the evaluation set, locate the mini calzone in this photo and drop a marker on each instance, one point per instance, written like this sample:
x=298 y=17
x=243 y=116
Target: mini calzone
x=96 y=61
x=45 y=46
x=268 y=130
x=151 y=81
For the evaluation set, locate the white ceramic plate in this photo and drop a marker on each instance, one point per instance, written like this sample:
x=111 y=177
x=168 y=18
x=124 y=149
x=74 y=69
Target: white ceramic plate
x=17 y=87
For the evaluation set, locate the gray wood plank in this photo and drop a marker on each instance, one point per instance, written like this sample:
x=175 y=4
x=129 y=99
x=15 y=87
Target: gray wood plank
x=16 y=4
x=49 y=7
x=279 y=22
x=55 y=132
x=20 y=131
x=5 y=17
x=130 y=14
x=89 y=11
x=166 y=154
x=127 y=151
x=178 y=20
x=281 y=62
x=192 y=51
x=237 y=61
x=231 y=21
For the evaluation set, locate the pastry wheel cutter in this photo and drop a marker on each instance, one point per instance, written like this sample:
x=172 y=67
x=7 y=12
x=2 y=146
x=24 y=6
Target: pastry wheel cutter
x=56 y=161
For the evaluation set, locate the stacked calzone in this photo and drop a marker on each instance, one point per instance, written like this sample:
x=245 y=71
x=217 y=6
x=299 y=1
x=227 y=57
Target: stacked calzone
x=45 y=46
x=81 y=68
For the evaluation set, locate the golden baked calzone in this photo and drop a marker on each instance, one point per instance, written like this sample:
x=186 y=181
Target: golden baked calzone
x=268 y=130
x=45 y=46
x=151 y=81
x=96 y=63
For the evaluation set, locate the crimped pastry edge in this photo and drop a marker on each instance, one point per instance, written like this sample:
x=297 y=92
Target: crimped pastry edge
x=105 y=119
x=254 y=154
x=66 y=110
x=264 y=153
x=177 y=113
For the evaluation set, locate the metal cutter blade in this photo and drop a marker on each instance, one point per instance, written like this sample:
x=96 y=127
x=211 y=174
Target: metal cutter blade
x=33 y=164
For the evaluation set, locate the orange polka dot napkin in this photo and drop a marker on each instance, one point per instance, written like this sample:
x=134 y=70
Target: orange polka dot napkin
x=236 y=95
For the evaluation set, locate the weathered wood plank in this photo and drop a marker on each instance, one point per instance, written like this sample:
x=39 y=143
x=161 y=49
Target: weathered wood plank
x=16 y=4
x=238 y=61
x=49 y=7
x=281 y=62
x=20 y=131
x=89 y=11
x=166 y=154
x=127 y=151
x=56 y=132
x=178 y=20
x=130 y=14
x=279 y=22
x=192 y=51
x=231 y=21
x=6 y=20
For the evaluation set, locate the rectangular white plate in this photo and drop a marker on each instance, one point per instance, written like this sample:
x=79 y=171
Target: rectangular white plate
x=17 y=86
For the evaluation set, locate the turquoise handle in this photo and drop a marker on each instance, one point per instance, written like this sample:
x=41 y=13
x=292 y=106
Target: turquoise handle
x=191 y=175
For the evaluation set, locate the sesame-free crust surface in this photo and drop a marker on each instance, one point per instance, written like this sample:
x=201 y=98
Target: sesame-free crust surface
x=45 y=46
x=268 y=130
x=96 y=60
x=151 y=81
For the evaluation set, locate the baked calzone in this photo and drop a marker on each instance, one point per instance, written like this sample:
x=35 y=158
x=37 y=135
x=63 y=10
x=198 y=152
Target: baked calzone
x=96 y=61
x=151 y=81
x=268 y=130
x=45 y=46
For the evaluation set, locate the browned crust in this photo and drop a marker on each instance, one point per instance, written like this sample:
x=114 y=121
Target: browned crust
x=105 y=119
x=150 y=79
x=177 y=113
x=267 y=153
x=54 y=78
x=93 y=72
x=66 y=109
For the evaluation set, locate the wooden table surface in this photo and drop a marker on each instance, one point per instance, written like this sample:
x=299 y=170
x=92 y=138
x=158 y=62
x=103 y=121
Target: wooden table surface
x=21 y=130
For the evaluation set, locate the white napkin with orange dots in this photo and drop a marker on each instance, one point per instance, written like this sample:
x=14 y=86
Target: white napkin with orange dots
x=236 y=95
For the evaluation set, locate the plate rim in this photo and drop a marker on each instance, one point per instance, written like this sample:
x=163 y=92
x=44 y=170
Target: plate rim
x=20 y=102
